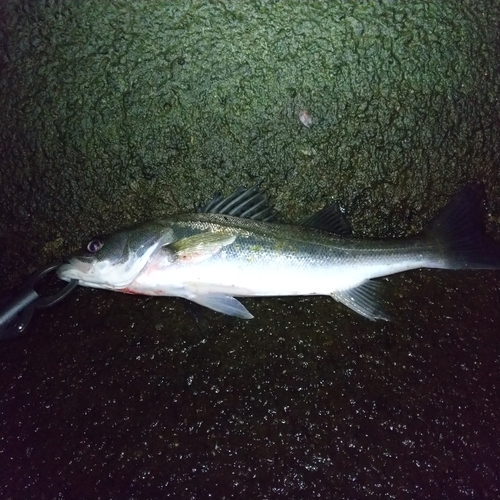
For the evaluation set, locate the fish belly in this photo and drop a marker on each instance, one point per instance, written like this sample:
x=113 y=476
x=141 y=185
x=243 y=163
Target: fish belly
x=248 y=278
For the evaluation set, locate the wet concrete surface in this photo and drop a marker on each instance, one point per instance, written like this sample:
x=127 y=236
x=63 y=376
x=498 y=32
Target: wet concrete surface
x=115 y=396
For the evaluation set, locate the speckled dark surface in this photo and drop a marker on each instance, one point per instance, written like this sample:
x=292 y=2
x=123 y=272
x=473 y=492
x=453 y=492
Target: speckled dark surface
x=113 y=396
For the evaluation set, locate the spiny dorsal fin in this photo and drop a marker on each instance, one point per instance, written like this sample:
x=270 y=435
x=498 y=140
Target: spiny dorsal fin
x=245 y=203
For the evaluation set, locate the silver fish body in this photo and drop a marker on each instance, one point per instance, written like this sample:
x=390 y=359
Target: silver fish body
x=211 y=258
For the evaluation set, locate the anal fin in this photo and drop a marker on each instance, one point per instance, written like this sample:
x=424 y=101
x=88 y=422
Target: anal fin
x=363 y=299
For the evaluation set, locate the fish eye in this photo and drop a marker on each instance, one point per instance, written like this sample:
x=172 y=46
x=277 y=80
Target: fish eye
x=95 y=245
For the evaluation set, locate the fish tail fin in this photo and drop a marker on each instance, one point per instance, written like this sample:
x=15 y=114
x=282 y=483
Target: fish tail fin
x=460 y=235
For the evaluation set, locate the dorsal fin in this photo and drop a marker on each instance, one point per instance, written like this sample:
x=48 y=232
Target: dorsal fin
x=331 y=219
x=245 y=203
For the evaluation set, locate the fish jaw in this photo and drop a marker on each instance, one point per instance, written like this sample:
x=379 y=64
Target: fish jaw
x=100 y=274
x=74 y=269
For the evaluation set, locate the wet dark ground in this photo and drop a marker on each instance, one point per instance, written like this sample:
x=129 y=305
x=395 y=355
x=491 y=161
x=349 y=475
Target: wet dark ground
x=115 y=396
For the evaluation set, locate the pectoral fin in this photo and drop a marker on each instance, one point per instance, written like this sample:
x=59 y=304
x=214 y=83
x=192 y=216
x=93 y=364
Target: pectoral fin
x=363 y=299
x=222 y=303
x=199 y=247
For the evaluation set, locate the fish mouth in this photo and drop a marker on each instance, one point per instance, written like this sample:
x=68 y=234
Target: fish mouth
x=98 y=274
x=74 y=269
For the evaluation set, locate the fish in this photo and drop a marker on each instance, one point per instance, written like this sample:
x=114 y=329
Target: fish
x=235 y=247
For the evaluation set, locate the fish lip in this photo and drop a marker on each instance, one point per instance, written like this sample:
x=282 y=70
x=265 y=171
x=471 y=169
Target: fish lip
x=73 y=268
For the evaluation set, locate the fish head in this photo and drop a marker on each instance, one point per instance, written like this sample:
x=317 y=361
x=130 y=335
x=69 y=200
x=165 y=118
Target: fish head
x=115 y=261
